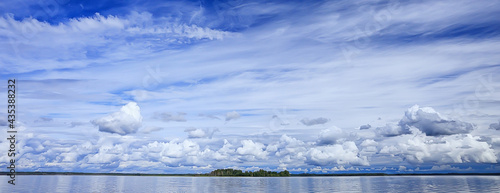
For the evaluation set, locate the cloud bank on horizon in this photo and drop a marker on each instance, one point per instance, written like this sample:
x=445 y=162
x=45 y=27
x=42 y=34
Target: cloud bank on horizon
x=192 y=86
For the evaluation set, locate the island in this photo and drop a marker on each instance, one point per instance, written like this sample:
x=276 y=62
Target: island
x=260 y=173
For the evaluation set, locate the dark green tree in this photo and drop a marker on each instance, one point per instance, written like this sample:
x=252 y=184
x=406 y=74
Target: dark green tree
x=260 y=173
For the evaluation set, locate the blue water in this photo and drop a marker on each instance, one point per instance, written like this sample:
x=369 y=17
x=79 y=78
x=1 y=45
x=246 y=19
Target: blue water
x=252 y=184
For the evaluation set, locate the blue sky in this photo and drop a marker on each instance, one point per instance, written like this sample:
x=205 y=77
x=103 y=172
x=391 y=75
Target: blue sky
x=193 y=86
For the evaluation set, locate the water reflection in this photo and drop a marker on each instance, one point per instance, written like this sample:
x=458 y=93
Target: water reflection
x=405 y=184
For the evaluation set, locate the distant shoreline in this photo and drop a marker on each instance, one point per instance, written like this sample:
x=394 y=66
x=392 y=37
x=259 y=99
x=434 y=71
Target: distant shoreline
x=291 y=175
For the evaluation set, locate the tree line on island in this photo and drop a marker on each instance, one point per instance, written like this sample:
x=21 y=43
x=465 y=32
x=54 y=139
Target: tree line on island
x=260 y=173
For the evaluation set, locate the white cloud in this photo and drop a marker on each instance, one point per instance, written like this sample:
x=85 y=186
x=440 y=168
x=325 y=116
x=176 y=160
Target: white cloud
x=126 y=121
x=174 y=153
x=290 y=151
x=201 y=78
x=444 y=168
x=317 y=121
x=427 y=120
x=341 y=154
x=150 y=129
x=391 y=150
x=106 y=154
x=391 y=130
x=463 y=148
x=432 y=123
x=330 y=136
x=196 y=133
x=99 y=37
x=225 y=152
x=334 y=169
x=253 y=149
x=369 y=143
x=167 y=117
x=200 y=133
x=232 y=115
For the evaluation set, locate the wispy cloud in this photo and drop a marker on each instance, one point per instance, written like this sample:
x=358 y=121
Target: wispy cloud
x=167 y=117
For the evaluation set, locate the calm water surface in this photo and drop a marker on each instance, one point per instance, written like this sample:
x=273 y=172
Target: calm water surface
x=254 y=184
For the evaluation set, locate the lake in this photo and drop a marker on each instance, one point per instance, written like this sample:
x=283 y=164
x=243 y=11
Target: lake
x=76 y=183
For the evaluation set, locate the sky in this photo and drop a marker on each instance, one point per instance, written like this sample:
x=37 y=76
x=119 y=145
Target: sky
x=307 y=86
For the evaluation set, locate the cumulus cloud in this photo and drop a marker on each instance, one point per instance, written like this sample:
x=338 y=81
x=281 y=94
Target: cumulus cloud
x=232 y=116
x=289 y=150
x=367 y=126
x=495 y=126
x=253 y=149
x=126 y=121
x=427 y=120
x=200 y=133
x=317 y=121
x=225 y=152
x=167 y=117
x=391 y=130
x=369 y=147
x=446 y=168
x=430 y=122
x=174 y=153
x=330 y=136
x=107 y=154
x=123 y=157
x=460 y=148
x=334 y=169
x=346 y=153
x=369 y=143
